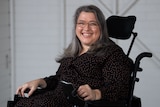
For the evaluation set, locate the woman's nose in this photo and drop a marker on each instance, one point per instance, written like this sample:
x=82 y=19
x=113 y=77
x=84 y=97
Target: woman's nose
x=86 y=27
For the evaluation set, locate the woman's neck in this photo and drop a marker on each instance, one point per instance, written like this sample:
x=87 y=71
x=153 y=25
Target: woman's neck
x=84 y=50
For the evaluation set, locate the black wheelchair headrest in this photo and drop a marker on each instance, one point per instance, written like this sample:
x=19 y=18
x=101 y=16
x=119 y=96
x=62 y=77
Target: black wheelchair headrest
x=120 y=27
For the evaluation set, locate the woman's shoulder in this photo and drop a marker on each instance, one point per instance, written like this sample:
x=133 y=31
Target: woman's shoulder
x=112 y=47
x=113 y=50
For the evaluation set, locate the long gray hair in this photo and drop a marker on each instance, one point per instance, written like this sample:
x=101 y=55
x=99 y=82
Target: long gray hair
x=75 y=46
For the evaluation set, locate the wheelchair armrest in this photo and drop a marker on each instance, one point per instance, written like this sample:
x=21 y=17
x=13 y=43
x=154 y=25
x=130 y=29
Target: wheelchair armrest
x=12 y=103
x=136 y=102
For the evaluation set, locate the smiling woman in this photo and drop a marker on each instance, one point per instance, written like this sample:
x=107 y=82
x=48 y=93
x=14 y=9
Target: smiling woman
x=95 y=65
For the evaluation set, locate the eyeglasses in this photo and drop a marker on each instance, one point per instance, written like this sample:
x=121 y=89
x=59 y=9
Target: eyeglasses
x=90 y=24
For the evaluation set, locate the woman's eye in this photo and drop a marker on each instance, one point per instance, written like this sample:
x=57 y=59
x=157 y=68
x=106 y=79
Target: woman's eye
x=93 y=24
x=90 y=24
x=80 y=23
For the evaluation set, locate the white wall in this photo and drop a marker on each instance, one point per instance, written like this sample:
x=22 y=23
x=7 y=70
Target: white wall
x=37 y=38
x=43 y=27
x=5 y=71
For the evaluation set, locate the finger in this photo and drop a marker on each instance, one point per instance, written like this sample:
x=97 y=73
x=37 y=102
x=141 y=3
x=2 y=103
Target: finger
x=31 y=92
x=81 y=93
x=87 y=98
x=18 y=89
x=22 y=91
x=81 y=89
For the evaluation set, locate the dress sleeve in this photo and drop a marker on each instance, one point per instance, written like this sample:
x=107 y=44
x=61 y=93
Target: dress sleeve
x=116 y=72
x=52 y=81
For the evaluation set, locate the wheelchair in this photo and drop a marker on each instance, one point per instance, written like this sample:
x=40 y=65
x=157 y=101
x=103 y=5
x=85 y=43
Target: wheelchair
x=120 y=28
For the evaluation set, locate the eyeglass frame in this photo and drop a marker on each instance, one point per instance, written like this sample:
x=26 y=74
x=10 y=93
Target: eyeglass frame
x=91 y=24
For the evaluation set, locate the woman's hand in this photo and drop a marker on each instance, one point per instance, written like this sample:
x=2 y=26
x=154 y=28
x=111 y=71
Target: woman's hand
x=87 y=93
x=32 y=86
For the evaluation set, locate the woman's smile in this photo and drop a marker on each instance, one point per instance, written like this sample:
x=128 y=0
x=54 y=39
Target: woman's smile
x=86 y=35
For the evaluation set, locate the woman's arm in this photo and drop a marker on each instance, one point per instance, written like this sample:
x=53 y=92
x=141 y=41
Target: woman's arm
x=116 y=72
x=32 y=86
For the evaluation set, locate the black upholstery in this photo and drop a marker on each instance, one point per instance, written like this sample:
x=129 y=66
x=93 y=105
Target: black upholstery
x=120 y=27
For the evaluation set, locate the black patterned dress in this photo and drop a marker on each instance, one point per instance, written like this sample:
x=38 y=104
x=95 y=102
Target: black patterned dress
x=109 y=73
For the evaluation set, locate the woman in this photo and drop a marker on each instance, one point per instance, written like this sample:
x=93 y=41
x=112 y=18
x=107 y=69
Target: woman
x=95 y=65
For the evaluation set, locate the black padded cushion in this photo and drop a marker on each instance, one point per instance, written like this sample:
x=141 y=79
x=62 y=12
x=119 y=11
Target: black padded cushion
x=120 y=27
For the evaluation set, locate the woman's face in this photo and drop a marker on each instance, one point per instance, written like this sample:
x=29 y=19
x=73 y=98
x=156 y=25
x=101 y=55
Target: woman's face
x=87 y=29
